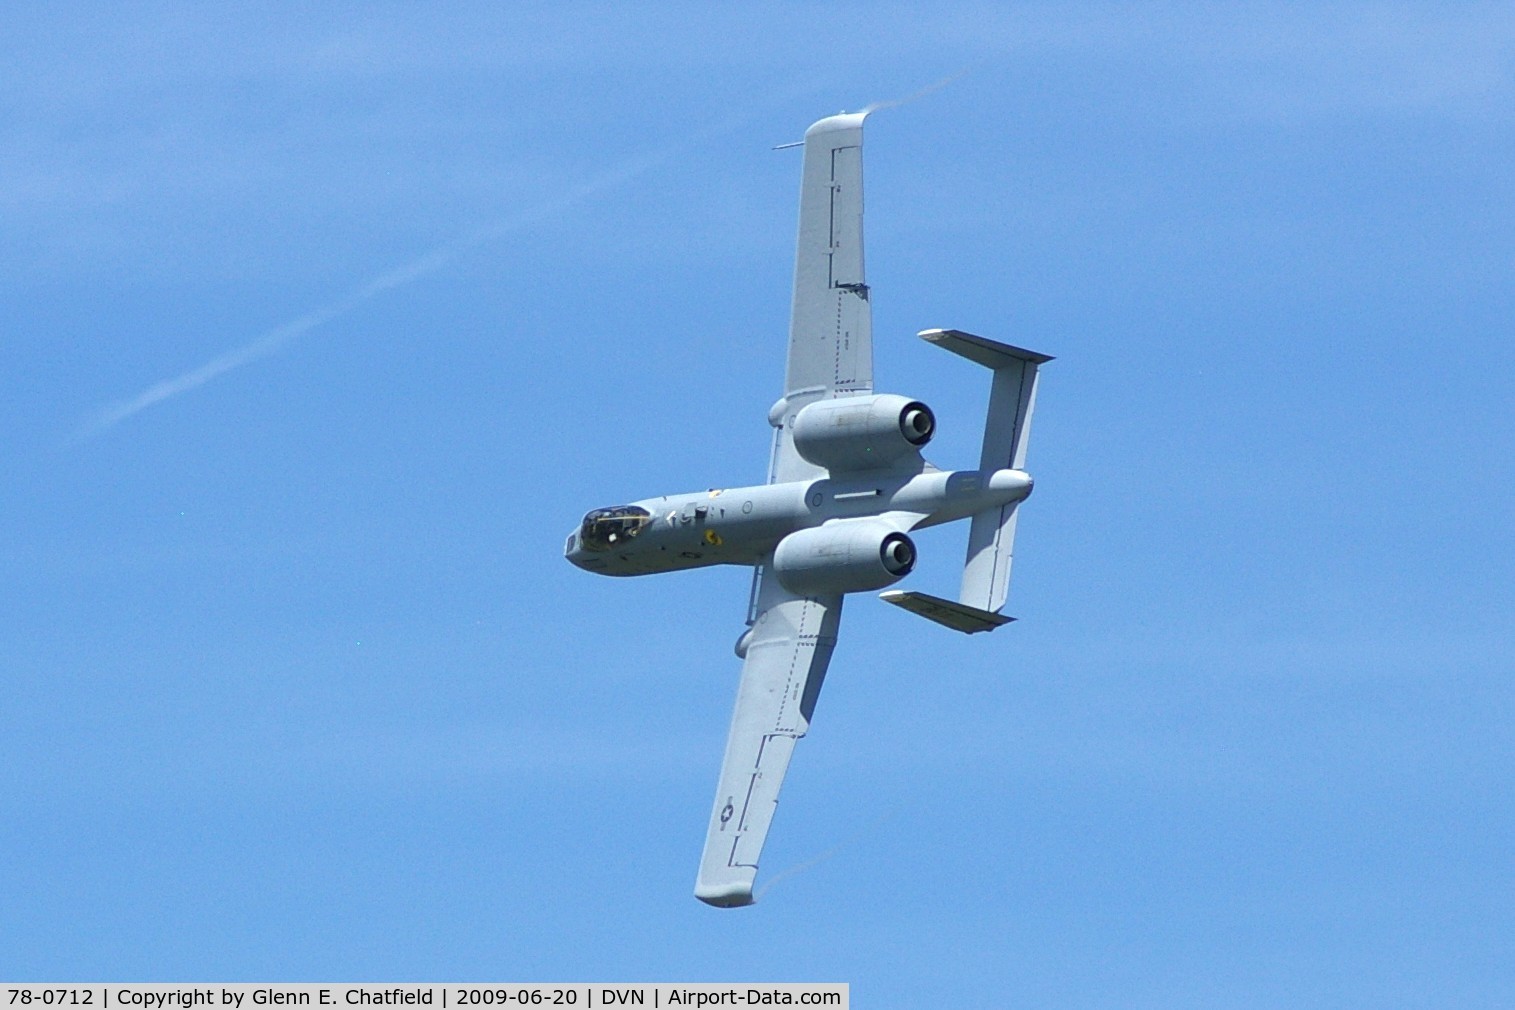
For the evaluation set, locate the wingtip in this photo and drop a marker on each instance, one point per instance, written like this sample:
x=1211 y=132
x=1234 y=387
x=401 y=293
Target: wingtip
x=737 y=895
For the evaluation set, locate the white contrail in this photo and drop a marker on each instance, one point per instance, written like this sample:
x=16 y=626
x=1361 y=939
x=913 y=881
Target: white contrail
x=894 y=103
x=847 y=842
x=276 y=338
x=269 y=342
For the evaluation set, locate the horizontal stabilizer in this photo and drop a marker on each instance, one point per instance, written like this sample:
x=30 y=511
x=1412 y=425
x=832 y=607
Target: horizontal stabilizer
x=957 y=616
x=982 y=350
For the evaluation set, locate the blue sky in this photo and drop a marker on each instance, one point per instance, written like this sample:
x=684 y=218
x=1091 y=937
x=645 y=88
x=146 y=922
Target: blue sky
x=323 y=327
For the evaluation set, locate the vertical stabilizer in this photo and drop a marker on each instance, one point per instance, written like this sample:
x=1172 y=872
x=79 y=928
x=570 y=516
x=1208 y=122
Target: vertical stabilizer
x=1007 y=430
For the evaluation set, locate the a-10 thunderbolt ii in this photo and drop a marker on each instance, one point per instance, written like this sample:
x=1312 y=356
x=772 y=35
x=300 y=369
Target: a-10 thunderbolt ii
x=846 y=485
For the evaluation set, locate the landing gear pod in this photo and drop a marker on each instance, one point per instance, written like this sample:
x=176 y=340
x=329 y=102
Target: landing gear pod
x=843 y=557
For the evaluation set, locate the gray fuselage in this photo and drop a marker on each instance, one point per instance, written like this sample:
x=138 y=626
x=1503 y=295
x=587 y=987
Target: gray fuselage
x=743 y=526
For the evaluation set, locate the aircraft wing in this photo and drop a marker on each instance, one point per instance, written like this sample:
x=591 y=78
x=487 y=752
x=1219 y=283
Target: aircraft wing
x=831 y=323
x=787 y=653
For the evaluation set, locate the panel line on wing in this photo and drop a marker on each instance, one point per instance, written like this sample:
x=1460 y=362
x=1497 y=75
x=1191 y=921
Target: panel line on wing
x=804 y=646
x=741 y=824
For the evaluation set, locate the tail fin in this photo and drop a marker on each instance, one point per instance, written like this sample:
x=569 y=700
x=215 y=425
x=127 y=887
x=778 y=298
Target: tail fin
x=1007 y=430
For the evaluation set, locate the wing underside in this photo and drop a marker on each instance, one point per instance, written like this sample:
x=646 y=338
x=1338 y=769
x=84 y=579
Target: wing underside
x=792 y=637
x=830 y=324
x=787 y=653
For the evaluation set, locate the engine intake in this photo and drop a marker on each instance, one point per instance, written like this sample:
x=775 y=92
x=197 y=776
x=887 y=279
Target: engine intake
x=850 y=556
x=853 y=433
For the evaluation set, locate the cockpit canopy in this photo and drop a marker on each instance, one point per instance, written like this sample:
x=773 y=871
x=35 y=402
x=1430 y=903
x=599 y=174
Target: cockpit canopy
x=610 y=528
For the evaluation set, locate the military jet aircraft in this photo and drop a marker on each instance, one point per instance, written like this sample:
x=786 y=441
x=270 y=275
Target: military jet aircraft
x=846 y=485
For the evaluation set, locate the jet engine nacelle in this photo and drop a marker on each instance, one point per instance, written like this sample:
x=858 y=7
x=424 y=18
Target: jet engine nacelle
x=862 y=432
x=851 y=556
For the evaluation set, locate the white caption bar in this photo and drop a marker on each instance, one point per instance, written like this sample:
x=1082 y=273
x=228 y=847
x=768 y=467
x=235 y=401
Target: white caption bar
x=435 y=995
